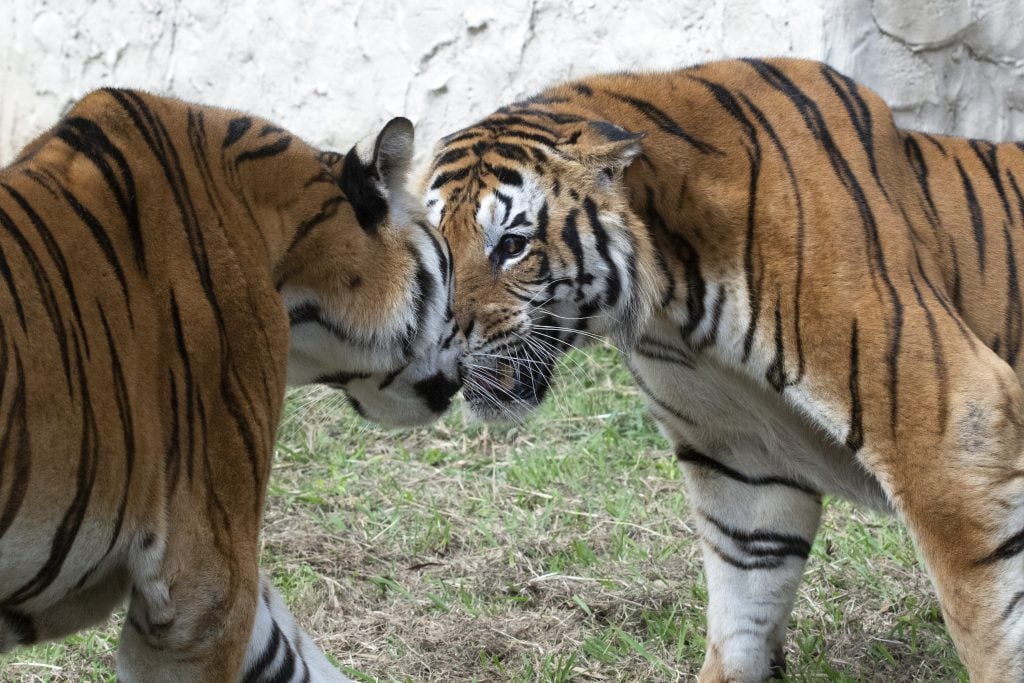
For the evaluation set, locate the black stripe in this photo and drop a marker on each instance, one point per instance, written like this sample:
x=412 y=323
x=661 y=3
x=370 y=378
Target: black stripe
x=693 y=457
x=511 y=152
x=776 y=373
x=390 y=377
x=328 y=210
x=761 y=542
x=15 y=444
x=746 y=565
x=237 y=127
x=1016 y=312
x=958 y=298
x=124 y=412
x=56 y=255
x=665 y=123
x=613 y=285
x=988 y=155
x=762 y=120
x=461 y=136
x=340 y=378
x=509 y=124
x=915 y=156
x=71 y=521
x=946 y=304
x=655 y=226
x=1014 y=317
x=254 y=674
x=571 y=236
x=449 y=177
x=505 y=175
x=172 y=454
x=974 y=210
x=663 y=405
x=1016 y=600
x=855 y=437
x=102 y=239
x=279 y=146
x=45 y=291
x=938 y=358
x=451 y=156
x=5 y=271
x=87 y=138
x=729 y=103
x=860 y=117
x=1009 y=548
x=287 y=668
x=658 y=350
x=189 y=387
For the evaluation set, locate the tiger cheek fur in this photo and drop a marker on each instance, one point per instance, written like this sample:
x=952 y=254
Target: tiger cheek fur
x=810 y=300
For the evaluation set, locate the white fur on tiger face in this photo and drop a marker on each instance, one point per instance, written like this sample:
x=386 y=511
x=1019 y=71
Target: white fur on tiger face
x=402 y=371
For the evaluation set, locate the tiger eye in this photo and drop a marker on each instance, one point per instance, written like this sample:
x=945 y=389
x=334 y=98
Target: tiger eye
x=512 y=245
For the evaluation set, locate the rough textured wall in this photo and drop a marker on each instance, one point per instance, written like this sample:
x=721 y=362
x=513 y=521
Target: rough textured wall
x=946 y=66
x=334 y=71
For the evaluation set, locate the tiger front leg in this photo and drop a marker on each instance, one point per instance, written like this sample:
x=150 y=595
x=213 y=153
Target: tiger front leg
x=191 y=620
x=279 y=650
x=756 y=531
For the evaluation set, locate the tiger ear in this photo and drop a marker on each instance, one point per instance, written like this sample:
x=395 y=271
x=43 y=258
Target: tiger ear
x=373 y=178
x=601 y=144
x=392 y=152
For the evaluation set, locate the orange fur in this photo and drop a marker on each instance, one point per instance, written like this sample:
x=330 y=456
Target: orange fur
x=842 y=287
x=144 y=345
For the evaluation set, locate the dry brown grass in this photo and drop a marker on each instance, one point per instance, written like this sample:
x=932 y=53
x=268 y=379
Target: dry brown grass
x=556 y=550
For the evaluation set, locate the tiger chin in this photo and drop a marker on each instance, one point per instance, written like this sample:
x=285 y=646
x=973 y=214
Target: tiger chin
x=168 y=268
x=810 y=299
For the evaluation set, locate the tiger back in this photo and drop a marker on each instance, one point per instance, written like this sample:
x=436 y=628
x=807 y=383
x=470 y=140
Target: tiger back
x=167 y=268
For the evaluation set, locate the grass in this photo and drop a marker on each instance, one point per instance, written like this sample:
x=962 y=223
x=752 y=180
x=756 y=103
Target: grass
x=557 y=550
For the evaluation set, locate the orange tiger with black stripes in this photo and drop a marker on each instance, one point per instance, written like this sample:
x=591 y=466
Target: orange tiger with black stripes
x=811 y=299
x=166 y=270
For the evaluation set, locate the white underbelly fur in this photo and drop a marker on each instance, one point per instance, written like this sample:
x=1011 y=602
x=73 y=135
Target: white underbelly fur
x=728 y=416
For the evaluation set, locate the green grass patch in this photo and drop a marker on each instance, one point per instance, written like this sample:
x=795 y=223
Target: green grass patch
x=556 y=550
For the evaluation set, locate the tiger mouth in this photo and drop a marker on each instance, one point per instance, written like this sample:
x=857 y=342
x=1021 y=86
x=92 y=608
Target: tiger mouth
x=507 y=386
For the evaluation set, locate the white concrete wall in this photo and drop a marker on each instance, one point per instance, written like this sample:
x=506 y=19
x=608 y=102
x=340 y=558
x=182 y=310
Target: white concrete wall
x=334 y=70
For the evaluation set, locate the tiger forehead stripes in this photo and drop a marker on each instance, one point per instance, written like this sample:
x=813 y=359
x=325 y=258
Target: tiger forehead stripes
x=811 y=300
x=166 y=269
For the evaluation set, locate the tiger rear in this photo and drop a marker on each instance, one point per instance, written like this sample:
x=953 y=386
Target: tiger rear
x=167 y=268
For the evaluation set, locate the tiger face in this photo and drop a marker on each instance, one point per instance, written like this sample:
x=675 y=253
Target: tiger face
x=548 y=255
x=374 y=317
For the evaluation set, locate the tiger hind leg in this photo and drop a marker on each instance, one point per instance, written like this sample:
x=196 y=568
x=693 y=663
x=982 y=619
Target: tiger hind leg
x=961 y=495
x=756 y=532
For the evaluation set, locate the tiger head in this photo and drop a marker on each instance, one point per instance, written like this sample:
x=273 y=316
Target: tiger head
x=548 y=254
x=368 y=287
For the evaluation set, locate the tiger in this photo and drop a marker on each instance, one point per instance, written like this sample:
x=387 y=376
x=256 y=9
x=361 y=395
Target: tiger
x=167 y=269
x=811 y=300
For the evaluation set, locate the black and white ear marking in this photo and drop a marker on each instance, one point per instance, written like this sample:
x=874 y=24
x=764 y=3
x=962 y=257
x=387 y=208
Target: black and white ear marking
x=374 y=179
x=392 y=152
